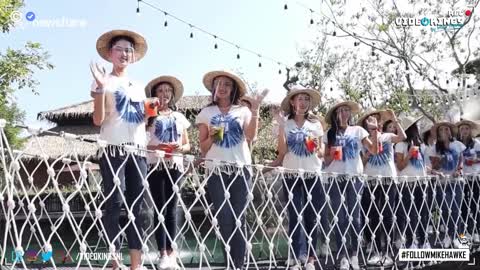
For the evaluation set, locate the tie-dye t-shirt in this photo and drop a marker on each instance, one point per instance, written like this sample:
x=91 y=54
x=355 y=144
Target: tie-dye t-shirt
x=472 y=153
x=415 y=166
x=167 y=129
x=382 y=163
x=351 y=142
x=450 y=159
x=298 y=156
x=233 y=147
x=124 y=112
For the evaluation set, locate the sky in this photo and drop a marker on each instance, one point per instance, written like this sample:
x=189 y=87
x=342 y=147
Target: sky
x=262 y=26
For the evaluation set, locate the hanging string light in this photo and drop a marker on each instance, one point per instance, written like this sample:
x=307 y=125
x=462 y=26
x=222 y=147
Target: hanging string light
x=138 y=7
x=206 y=32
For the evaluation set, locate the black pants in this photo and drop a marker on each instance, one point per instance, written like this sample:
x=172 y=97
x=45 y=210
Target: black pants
x=161 y=187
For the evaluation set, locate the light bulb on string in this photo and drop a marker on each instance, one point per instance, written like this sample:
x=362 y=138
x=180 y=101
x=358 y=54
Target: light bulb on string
x=166 y=22
x=259 y=61
x=216 y=45
x=285 y=7
x=138 y=7
x=191 y=31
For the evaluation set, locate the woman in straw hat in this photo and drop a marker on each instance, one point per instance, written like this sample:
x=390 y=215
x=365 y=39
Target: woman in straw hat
x=225 y=128
x=119 y=109
x=467 y=130
x=380 y=169
x=410 y=162
x=300 y=146
x=344 y=142
x=447 y=162
x=168 y=132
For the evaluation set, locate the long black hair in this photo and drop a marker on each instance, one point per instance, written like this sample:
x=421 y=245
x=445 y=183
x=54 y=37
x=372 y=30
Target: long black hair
x=234 y=99
x=171 y=104
x=413 y=136
x=426 y=135
x=332 y=131
x=440 y=146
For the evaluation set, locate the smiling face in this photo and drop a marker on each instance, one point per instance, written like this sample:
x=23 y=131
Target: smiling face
x=164 y=92
x=300 y=103
x=122 y=53
x=223 y=87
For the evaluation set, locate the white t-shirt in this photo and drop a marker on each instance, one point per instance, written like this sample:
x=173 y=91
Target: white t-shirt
x=415 y=166
x=234 y=146
x=167 y=129
x=472 y=153
x=351 y=142
x=298 y=156
x=450 y=159
x=382 y=163
x=124 y=121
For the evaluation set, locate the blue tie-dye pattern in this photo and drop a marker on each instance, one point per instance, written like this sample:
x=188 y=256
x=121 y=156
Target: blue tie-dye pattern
x=296 y=142
x=467 y=153
x=417 y=162
x=449 y=164
x=349 y=147
x=381 y=159
x=166 y=130
x=231 y=136
x=130 y=111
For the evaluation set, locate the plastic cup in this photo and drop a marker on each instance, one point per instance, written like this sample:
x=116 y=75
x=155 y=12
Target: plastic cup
x=337 y=152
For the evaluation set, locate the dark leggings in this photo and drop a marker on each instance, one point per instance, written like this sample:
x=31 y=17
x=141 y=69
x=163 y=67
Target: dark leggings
x=132 y=186
x=161 y=187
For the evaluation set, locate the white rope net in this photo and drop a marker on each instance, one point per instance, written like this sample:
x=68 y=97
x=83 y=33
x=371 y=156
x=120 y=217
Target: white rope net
x=249 y=218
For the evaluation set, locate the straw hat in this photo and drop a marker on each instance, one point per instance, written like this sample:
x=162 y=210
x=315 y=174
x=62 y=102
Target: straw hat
x=433 y=130
x=355 y=107
x=103 y=43
x=408 y=121
x=176 y=84
x=473 y=126
x=210 y=76
x=384 y=116
x=314 y=98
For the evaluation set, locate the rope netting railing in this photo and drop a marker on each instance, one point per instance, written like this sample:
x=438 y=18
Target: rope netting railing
x=252 y=217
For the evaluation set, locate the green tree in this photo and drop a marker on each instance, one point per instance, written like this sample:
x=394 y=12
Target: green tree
x=385 y=63
x=17 y=68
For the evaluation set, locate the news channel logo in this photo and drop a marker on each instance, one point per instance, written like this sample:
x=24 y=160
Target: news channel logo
x=31 y=19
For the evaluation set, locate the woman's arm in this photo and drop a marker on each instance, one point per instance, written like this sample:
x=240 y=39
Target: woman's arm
x=371 y=145
x=252 y=127
x=205 y=138
x=321 y=147
x=400 y=136
x=401 y=161
x=185 y=148
x=98 y=108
